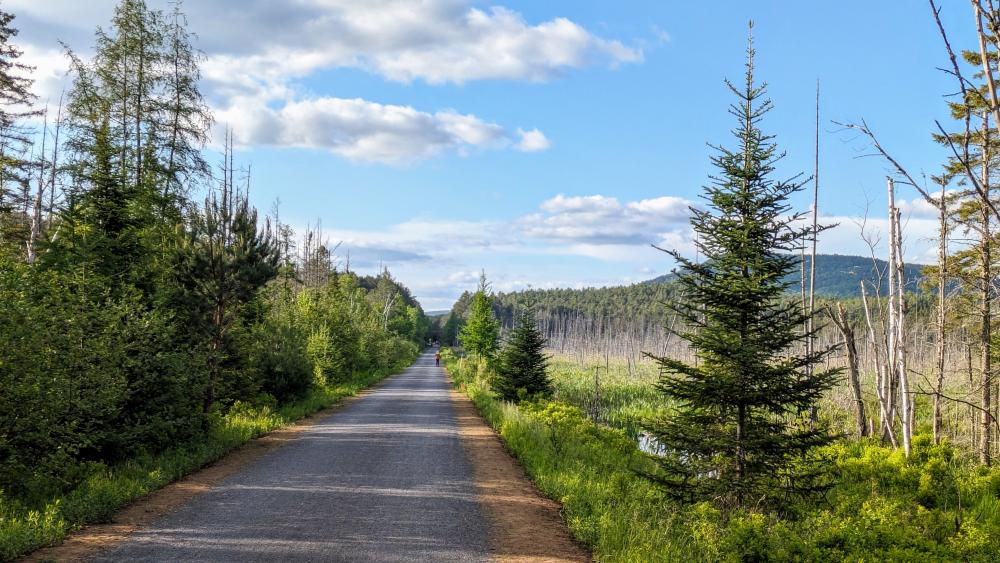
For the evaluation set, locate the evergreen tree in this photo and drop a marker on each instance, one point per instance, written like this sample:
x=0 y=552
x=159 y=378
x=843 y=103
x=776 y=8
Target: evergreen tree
x=523 y=370
x=221 y=264
x=450 y=330
x=481 y=333
x=16 y=107
x=733 y=436
x=183 y=114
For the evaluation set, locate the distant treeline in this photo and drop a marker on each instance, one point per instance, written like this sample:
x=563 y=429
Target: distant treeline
x=840 y=276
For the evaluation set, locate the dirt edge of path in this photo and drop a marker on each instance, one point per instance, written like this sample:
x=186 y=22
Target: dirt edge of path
x=525 y=525
x=95 y=538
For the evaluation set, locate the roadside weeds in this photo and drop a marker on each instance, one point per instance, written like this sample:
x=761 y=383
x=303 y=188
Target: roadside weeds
x=525 y=525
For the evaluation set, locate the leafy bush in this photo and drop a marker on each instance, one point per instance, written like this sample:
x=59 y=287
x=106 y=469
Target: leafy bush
x=280 y=362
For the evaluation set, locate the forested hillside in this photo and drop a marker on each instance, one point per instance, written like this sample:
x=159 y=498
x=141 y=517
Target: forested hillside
x=840 y=276
x=146 y=309
x=642 y=310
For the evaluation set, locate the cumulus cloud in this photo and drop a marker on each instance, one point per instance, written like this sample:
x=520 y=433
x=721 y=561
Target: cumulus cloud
x=361 y=130
x=439 y=259
x=598 y=220
x=435 y=41
x=49 y=74
x=421 y=240
x=532 y=141
x=920 y=207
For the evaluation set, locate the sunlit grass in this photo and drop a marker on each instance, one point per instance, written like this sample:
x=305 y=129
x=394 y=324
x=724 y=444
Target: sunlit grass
x=609 y=392
x=933 y=506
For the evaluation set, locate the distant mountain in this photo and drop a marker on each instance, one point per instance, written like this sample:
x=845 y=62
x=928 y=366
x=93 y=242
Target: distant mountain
x=839 y=276
x=437 y=313
x=643 y=304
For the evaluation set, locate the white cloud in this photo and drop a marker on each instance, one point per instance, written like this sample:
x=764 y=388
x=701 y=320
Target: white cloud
x=49 y=74
x=360 y=130
x=597 y=220
x=264 y=43
x=920 y=207
x=439 y=259
x=255 y=60
x=437 y=41
x=532 y=141
x=420 y=240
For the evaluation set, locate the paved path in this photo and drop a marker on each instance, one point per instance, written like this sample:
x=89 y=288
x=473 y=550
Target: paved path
x=384 y=479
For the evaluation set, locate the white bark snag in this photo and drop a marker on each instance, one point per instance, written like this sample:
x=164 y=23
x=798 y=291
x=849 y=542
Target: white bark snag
x=881 y=375
x=897 y=310
x=810 y=339
x=942 y=303
x=36 y=212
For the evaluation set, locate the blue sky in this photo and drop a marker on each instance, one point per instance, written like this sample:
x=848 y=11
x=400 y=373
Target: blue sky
x=547 y=142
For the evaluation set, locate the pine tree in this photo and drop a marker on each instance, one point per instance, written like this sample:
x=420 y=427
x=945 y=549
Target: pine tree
x=220 y=265
x=450 y=330
x=16 y=108
x=481 y=333
x=733 y=436
x=523 y=369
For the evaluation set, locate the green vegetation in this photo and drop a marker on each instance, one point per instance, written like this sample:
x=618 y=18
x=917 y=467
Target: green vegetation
x=523 y=369
x=732 y=436
x=613 y=393
x=480 y=333
x=145 y=335
x=107 y=488
x=707 y=458
x=933 y=506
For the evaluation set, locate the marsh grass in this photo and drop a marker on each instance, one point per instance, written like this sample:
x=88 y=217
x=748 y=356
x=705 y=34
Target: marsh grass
x=611 y=393
x=934 y=506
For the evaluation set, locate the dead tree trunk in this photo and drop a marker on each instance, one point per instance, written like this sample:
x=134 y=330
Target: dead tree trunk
x=853 y=374
x=895 y=341
x=941 y=317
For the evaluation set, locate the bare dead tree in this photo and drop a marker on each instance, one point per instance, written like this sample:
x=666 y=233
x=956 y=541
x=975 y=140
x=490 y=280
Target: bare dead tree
x=853 y=373
x=34 y=233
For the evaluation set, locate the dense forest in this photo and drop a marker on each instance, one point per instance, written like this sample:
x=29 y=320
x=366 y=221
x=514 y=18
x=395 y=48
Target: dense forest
x=837 y=276
x=142 y=297
x=841 y=276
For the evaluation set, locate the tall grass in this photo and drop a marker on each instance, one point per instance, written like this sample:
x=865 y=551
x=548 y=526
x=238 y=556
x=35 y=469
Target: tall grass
x=932 y=506
x=611 y=393
x=108 y=488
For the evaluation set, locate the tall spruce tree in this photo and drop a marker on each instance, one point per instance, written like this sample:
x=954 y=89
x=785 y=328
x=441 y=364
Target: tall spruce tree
x=733 y=436
x=16 y=108
x=481 y=334
x=523 y=369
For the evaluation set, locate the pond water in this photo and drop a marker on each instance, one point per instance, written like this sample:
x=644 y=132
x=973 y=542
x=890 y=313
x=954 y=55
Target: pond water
x=649 y=444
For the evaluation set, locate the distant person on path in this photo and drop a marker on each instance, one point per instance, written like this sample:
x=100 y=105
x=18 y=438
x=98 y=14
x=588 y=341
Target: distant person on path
x=437 y=358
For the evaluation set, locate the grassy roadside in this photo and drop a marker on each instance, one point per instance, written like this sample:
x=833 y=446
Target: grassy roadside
x=933 y=506
x=107 y=489
x=586 y=467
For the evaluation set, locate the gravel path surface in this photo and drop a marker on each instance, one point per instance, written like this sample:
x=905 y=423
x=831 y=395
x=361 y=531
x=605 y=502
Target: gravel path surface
x=384 y=479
